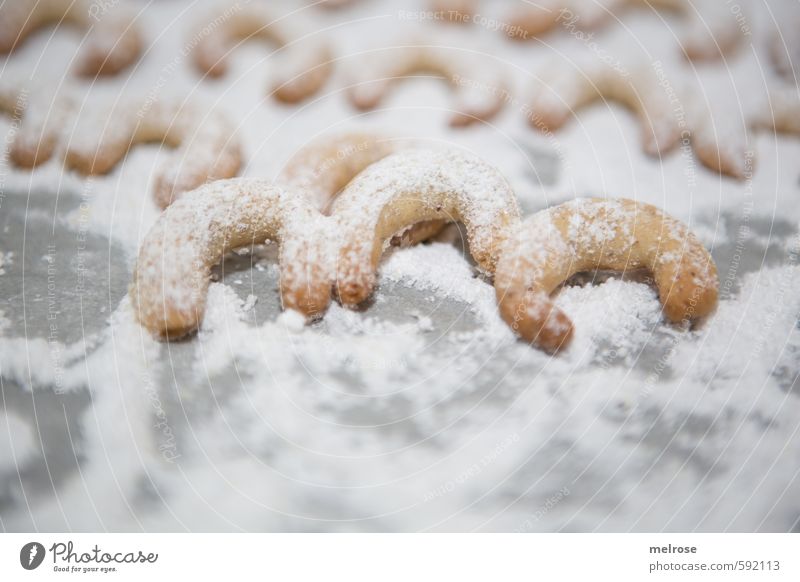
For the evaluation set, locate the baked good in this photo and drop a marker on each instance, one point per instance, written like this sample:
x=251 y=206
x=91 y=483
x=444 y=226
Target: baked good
x=479 y=89
x=409 y=187
x=170 y=282
x=303 y=60
x=204 y=142
x=113 y=39
x=561 y=90
x=592 y=234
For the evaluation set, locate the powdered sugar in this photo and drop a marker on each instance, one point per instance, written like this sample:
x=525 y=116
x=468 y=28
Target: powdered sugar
x=17 y=440
x=371 y=420
x=441 y=270
x=614 y=317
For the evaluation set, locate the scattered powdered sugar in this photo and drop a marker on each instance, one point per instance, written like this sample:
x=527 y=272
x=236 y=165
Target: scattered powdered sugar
x=346 y=342
x=6 y=259
x=40 y=364
x=18 y=450
x=357 y=422
x=294 y=321
x=17 y=440
x=441 y=268
x=249 y=303
x=435 y=266
x=614 y=316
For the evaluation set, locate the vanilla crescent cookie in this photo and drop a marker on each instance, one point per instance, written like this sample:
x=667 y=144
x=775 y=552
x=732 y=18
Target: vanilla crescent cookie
x=172 y=274
x=326 y=165
x=724 y=147
x=590 y=234
x=562 y=90
x=479 y=89
x=711 y=28
x=39 y=116
x=203 y=140
x=112 y=42
x=303 y=61
x=455 y=11
x=414 y=186
x=532 y=20
x=784 y=47
x=781 y=112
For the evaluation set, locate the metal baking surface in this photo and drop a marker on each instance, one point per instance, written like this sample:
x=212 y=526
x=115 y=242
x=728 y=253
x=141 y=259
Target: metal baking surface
x=61 y=285
x=408 y=414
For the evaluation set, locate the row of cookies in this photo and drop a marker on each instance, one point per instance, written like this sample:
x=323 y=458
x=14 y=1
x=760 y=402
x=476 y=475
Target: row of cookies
x=480 y=85
x=342 y=200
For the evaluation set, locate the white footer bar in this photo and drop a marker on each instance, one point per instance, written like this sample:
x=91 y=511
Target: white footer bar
x=390 y=557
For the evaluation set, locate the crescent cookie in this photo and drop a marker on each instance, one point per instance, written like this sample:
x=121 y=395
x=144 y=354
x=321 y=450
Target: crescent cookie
x=590 y=234
x=414 y=186
x=561 y=91
x=171 y=279
x=529 y=21
x=711 y=29
x=479 y=89
x=112 y=42
x=455 y=11
x=782 y=111
x=40 y=117
x=724 y=147
x=305 y=64
x=205 y=148
x=326 y=165
x=784 y=48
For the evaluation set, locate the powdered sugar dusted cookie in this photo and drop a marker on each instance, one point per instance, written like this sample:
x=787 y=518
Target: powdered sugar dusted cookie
x=531 y=20
x=413 y=186
x=112 y=42
x=561 y=90
x=171 y=278
x=303 y=61
x=784 y=47
x=204 y=142
x=711 y=28
x=590 y=234
x=781 y=112
x=724 y=149
x=39 y=116
x=479 y=88
x=326 y=165
x=455 y=11
x=723 y=146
